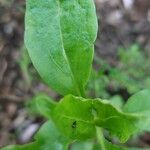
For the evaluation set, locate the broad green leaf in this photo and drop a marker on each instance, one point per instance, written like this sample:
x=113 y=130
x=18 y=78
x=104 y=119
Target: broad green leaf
x=77 y=118
x=140 y=104
x=47 y=138
x=59 y=36
x=73 y=117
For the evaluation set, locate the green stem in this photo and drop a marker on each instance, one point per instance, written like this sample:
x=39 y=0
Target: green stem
x=100 y=138
x=83 y=92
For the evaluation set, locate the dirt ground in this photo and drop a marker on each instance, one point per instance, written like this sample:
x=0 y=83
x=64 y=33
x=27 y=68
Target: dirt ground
x=122 y=23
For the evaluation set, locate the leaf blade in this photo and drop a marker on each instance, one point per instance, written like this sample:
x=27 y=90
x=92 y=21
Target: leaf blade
x=139 y=104
x=66 y=42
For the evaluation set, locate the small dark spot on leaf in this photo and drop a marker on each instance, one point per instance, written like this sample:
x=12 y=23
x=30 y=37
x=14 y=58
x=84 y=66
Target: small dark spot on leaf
x=74 y=124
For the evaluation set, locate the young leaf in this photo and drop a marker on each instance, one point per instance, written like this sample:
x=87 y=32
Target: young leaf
x=73 y=117
x=77 y=118
x=117 y=101
x=47 y=138
x=44 y=104
x=59 y=36
x=140 y=104
x=41 y=104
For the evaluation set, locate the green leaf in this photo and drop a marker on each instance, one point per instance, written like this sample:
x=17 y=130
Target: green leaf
x=24 y=63
x=117 y=101
x=31 y=146
x=112 y=119
x=47 y=138
x=110 y=146
x=96 y=146
x=59 y=36
x=86 y=145
x=41 y=104
x=44 y=104
x=73 y=117
x=92 y=145
x=140 y=104
x=77 y=118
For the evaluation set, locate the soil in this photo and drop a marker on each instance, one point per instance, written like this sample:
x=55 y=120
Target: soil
x=120 y=25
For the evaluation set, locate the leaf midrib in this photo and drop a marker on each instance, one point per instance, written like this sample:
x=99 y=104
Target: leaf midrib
x=65 y=55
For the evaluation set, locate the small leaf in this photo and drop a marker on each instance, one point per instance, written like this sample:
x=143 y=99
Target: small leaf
x=117 y=101
x=73 y=117
x=139 y=104
x=59 y=36
x=41 y=104
x=44 y=105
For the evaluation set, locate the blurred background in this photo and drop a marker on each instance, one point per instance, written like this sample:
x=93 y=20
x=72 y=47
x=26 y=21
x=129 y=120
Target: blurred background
x=121 y=65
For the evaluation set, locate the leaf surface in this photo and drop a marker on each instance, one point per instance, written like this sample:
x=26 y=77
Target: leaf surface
x=73 y=117
x=59 y=36
x=44 y=104
x=86 y=145
x=77 y=118
x=40 y=104
x=31 y=146
x=139 y=104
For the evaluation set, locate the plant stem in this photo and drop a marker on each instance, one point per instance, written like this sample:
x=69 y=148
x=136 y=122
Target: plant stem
x=82 y=92
x=100 y=138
